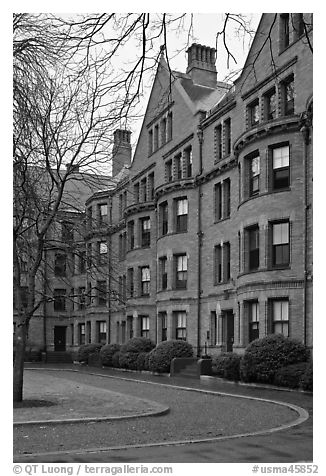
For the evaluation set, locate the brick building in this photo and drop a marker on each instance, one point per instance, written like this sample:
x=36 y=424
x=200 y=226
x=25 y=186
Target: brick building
x=206 y=235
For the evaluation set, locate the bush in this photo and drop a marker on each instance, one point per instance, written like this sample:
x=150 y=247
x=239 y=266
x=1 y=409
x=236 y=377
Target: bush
x=107 y=352
x=87 y=349
x=307 y=378
x=227 y=366
x=128 y=360
x=116 y=359
x=160 y=358
x=142 y=361
x=137 y=345
x=291 y=375
x=263 y=357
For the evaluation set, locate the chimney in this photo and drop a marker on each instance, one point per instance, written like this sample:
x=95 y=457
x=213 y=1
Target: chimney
x=121 y=152
x=201 y=65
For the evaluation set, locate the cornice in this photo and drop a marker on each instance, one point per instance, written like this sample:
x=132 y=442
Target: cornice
x=138 y=208
x=144 y=171
x=177 y=146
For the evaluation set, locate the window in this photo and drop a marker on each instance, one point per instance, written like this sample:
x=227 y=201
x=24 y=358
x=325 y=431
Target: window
x=280 y=244
x=103 y=214
x=144 y=329
x=178 y=166
x=181 y=215
x=227 y=136
x=82 y=261
x=150 y=142
x=59 y=299
x=254 y=172
x=136 y=192
x=101 y=332
x=103 y=252
x=163 y=131
x=253 y=311
x=163 y=273
x=218 y=142
x=121 y=205
x=122 y=246
x=280 y=317
x=298 y=25
x=67 y=231
x=284 y=30
x=226 y=198
x=130 y=282
x=181 y=325
x=156 y=136
x=213 y=328
x=188 y=161
x=168 y=171
x=270 y=105
x=253 y=113
x=60 y=264
x=217 y=264
x=89 y=255
x=101 y=293
x=81 y=334
x=253 y=247
x=181 y=271
x=169 y=126
x=89 y=294
x=163 y=218
x=164 y=325
x=124 y=288
x=218 y=201
x=226 y=262
x=81 y=298
x=145 y=232
x=131 y=235
x=143 y=186
x=151 y=186
x=145 y=281
x=89 y=218
x=287 y=92
x=281 y=169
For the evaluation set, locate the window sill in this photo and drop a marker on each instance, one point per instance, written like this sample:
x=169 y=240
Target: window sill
x=270 y=192
x=222 y=219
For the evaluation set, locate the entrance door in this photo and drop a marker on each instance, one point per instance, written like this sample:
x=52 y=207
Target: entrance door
x=229 y=330
x=60 y=338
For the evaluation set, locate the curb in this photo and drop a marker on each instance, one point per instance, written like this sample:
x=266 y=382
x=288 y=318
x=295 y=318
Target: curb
x=164 y=411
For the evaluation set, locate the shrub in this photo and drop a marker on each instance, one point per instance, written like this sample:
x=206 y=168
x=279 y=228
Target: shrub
x=128 y=360
x=87 y=349
x=291 y=375
x=307 y=378
x=227 y=366
x=263 y=357
x=142 y=361
x=107 y=352
x=137 y=345
x=160 y=358
x=116 y=359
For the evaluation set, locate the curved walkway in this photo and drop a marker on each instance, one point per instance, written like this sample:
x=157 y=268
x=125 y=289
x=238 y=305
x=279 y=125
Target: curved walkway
x=200 y=412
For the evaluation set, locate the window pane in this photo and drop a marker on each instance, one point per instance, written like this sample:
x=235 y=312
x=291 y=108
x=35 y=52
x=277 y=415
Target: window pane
x=280 y=233
x=281 y=157
x=182 y=207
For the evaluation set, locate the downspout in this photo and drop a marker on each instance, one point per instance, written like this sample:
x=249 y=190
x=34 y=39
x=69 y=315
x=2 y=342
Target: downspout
x=44 y=294
x=109 y=269
x=200 y=136
x=305 y=130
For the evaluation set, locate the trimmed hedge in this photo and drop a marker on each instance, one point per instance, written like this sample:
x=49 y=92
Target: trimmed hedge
x=137 y=345
x=116 y=359
x=160 y=358
x=128 y=360
x=290 y=376
x=227 y=366
x=142 y=361
x=307 y=378
x=87 y=349
x=107 y=352
x=263 y=357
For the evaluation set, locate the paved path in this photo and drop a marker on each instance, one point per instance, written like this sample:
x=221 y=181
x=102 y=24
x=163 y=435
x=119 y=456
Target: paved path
x=291 y=445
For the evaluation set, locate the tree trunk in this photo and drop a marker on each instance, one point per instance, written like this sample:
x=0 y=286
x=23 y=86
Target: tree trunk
x=19 y=363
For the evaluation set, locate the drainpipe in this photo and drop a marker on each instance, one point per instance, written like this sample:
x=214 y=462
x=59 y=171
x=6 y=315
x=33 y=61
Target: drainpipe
x=200 y=136
x=44 y=294
x=109 y=269
x=305 y=130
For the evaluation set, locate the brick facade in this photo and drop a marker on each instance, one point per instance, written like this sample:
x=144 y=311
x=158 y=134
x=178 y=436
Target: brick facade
x=210 y=144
